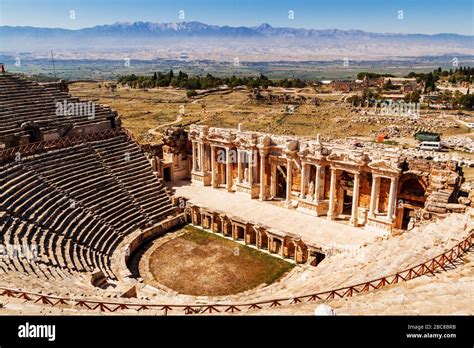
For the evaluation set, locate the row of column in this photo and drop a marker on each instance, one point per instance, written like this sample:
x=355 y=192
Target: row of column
x=200 y=159
x=228 y=162
x=355 y=198
x=250 y=167
x=199 y=164
x=374 y=197
x=214 y=173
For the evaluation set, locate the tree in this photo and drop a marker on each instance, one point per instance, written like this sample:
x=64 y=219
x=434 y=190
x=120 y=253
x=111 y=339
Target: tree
x=368 y=94
x=430 y=85
x=355 y=100
x=466 y=101
x=413 y=97
x=389 y=85
x=191 y=93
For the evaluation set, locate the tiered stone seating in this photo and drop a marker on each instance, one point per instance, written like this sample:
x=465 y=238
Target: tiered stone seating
x=48 y=208
x=76 y=205
x=80 y=173
x=22 y=101
x=125 y=161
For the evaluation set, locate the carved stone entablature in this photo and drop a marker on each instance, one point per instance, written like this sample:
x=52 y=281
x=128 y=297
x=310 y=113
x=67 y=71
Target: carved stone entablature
x=246 y=140
x=285 y=143
x=194 y=131
x=348 y=160
x=384 y=168
x=275 y=233
x=198 y=132
x=222 y=136
x=264 y=141
x=314 y=150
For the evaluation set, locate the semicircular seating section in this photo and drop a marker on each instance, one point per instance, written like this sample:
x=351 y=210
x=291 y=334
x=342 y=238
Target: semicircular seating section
x=75 y=205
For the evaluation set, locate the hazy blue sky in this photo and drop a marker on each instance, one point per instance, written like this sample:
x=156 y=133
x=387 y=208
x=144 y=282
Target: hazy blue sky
x=419 y=16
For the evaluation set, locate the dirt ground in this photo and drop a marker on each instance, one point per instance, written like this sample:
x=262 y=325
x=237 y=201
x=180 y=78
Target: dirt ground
x=200 y=263
x=145 y=112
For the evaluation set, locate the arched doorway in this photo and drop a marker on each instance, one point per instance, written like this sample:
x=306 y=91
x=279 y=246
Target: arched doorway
x=33 y=131
x=411 y=198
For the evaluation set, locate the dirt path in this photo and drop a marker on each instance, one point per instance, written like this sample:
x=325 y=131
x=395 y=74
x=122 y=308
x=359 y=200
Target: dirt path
x=153 y=131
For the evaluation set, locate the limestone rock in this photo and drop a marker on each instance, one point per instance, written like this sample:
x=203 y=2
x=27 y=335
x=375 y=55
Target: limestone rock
x=456 y=208
x=464 y=200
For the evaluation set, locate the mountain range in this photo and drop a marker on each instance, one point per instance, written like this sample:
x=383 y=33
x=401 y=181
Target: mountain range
x=199 y=37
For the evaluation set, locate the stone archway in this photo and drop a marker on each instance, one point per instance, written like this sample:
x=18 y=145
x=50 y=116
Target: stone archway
x=411 y=198
x=33 y=131
x=412 y=185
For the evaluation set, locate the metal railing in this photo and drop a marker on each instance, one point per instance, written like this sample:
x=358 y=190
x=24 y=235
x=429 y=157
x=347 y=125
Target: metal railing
x=11 y=154
x=54 y=144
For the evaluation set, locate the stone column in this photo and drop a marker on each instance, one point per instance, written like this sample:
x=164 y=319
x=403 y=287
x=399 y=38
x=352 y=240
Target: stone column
x=355 y=201
x=239 y=166
x=255 y=175
x=199 y=157
x=228 y=171
x=204 y=157
x=213 y=167
x=303 y=180
x=250 y=166
x=392 y=198
x=289 y=180
x=332 y=195
x=262 y=176
x=317 y=183
x=273 y=180
x=374 y=194
x=194 y=155
x=234 y=232
x=377 y=195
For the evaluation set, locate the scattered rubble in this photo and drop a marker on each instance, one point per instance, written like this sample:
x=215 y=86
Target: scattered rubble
x=459 y=143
